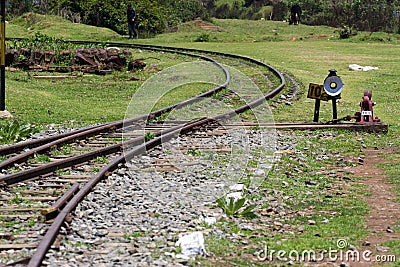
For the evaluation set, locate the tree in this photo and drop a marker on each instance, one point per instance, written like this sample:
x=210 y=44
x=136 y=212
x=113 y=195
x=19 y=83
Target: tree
x=19 y=7
x=184 y=10
x=155 y=15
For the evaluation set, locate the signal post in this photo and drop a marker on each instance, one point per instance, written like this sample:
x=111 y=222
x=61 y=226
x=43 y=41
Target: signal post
x=2 y=58
x=330 y=90
x=3 y=112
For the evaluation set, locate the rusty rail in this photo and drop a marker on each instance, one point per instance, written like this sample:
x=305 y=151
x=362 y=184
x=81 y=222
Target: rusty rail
x=51 y=212
x=44 y=144
x=51 y=234
x=163 y=136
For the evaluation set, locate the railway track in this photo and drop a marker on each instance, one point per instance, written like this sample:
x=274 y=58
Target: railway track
x=49 y=177
x=54 y=182
x=162 y=194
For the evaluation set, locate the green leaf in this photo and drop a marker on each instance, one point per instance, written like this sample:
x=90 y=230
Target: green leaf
x=231 y=206
x=239 y=203
x=248 y=212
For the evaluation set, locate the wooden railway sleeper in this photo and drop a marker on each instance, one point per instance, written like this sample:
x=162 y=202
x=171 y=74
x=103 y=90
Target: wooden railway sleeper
x=52 y=211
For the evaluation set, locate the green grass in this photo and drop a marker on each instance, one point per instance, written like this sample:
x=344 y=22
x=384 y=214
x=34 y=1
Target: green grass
x=239 y=31
x=60 y=101
x=64 y=150
x=29 y=24
x=38 y=158
x=87 y=98
x=182 y=92
x=310 y=193
x=102 y=160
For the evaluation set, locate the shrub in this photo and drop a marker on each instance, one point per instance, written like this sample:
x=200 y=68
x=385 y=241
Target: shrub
x=14 y=131
x=204 y=37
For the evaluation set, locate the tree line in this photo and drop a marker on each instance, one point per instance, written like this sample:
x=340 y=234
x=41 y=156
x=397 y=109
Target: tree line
x=157 y=16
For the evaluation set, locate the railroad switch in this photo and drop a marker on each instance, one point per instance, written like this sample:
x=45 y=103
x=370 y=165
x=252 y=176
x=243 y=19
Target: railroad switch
x=331 y=91
x=367 y=114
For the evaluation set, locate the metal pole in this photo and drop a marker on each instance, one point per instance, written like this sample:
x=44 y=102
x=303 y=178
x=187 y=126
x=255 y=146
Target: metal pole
x=316 y=110
x=3 y=56
x=334 y=108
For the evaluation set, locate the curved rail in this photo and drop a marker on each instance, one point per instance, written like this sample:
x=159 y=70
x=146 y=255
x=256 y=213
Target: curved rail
x=50 y=235
x=44 y=144
x=28 y=174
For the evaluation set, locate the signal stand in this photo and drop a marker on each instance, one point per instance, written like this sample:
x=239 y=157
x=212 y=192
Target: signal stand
x=330 y=90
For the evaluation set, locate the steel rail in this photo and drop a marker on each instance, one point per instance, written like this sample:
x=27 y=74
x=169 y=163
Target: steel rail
x=44 y=144
x=63 y=139
x=72 y=161
x=51 y=234
x=41 y=170
x=14 y=148
x=8 y=149
x=137 y=150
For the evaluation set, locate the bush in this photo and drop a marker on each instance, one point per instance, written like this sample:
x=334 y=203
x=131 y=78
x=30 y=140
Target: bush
x=182 y=11
x=265 y=12
x=204 y=37
x=14 y=131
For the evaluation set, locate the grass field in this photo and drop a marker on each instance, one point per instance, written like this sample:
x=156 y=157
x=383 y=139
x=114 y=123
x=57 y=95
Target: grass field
x=307 y=53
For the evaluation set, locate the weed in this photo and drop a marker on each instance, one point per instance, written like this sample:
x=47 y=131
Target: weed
x=31 y=222
x=233 y=207
x=158 y=119
x=134 y=235
x=17 y=200
x=13 y=169
x=63 y=172
x=204 y=37
x=194 y=152
x=65 y=150
x=102 y=160
x=252 y=163
x=22 y=57
x=95 y=169
x=14 y=131
x=38 y=158
x=21 y=188
x=221 y=95
x=148 y=136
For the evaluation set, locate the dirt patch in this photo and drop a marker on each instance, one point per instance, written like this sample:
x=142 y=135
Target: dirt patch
x=384 y=210
x=317 y=36
x=206 y=26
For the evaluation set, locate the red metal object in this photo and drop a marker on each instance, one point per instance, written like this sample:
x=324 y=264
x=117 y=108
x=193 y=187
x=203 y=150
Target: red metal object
x=367 y=114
